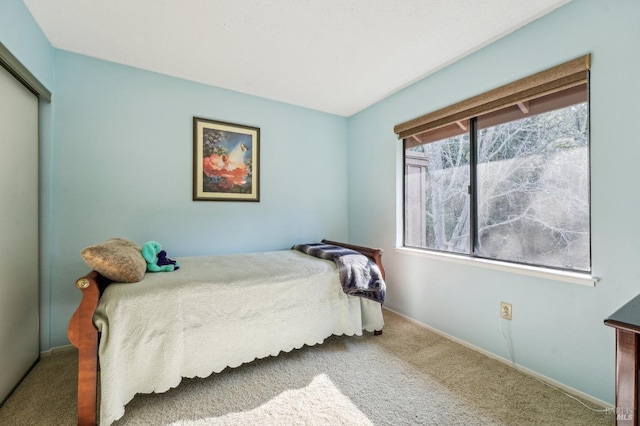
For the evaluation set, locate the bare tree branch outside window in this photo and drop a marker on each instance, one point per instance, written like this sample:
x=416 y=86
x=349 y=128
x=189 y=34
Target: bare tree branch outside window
x=532 y=191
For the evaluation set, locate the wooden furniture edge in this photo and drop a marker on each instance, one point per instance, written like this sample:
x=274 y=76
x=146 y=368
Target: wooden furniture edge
x=623 y=326
x=627 y=364
x=83 y=334
x=374 y=254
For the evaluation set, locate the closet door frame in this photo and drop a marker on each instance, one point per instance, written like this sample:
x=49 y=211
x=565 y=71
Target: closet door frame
x=22 y=74
x=26 y=349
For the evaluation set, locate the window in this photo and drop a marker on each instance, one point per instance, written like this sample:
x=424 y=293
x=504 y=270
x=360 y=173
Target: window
x=508 y=183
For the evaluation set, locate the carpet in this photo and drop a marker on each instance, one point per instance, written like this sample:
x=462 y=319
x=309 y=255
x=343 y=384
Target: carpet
x=407 y=376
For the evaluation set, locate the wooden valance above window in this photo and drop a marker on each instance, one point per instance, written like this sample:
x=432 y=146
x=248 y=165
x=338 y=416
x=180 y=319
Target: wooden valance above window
x=556 y=79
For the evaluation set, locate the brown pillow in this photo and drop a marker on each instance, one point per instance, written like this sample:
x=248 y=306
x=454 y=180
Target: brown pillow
x=118 y=259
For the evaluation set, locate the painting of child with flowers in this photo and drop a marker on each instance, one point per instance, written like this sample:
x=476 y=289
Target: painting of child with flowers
x=226 y=161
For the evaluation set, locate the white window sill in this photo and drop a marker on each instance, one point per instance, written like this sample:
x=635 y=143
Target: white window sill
x=534 y=271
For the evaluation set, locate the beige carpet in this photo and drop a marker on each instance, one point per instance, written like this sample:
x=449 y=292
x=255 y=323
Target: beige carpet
x=407 y=376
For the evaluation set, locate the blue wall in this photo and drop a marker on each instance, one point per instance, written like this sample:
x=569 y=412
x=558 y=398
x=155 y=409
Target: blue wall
x=116 y=160
x=557 y=328
x=20 y=33
x=123 y=167
x=119 y=140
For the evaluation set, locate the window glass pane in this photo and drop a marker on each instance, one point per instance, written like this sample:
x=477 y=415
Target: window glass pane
x=436 y=195
x=533 y=190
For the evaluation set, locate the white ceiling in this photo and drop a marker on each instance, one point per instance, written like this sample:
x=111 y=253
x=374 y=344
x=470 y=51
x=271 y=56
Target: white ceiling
x=337 y=56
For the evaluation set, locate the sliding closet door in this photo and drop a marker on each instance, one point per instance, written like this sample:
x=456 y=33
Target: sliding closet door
x=19 y=307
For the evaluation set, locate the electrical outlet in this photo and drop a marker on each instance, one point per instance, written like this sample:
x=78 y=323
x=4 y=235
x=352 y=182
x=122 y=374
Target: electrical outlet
x=505 y=310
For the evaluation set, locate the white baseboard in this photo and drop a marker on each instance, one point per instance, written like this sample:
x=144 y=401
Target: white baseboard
x=525 y=370
x=57 y=349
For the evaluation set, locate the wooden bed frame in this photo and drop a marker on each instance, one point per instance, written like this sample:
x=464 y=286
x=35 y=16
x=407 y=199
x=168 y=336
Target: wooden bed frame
x=84 y=335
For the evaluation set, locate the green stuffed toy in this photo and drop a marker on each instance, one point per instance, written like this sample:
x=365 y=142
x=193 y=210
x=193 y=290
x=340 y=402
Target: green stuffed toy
x=156 y=258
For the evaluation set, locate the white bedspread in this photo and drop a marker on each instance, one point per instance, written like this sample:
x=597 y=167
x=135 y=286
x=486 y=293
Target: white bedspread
x=217 y=312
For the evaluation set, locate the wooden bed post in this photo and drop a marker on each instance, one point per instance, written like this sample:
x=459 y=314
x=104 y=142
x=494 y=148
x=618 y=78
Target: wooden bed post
x=374 y=254
x=83 y=334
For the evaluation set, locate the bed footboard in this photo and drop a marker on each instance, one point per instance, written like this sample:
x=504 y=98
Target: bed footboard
x=374 y=254
x=83 y=334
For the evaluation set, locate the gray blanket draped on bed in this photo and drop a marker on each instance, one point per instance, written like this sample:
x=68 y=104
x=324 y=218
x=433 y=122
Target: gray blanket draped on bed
x=359 y=275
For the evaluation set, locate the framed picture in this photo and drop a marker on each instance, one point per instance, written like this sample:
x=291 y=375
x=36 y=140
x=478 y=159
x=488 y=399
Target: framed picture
x=226 y=161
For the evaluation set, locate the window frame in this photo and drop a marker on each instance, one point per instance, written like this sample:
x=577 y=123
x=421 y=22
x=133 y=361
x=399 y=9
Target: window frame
x=578 y=71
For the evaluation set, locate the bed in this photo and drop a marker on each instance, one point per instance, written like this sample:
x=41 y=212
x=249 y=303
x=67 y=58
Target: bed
x=145 y=337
